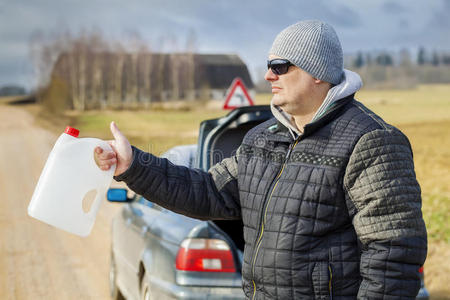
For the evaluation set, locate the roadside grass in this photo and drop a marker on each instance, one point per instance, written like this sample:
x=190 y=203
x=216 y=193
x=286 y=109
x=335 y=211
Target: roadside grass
x=431 y=146
x=8 y=99
x=423 y=114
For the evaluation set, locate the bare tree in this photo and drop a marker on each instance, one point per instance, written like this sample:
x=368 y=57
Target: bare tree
x=36 y=47
x=405 y=58
x=133 y=42
x=144 y=73
x=174 y=60
x=118 y=76
x=191 y=48
x=96 y=48
x=44 y=51
x=159 y=70
x=79 y=62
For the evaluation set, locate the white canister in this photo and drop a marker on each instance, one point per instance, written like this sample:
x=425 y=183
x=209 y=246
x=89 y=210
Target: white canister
x=68 y=175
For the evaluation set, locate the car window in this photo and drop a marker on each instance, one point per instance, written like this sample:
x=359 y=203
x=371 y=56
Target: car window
x=183 y=155
x=144 y=201
x=150 y=204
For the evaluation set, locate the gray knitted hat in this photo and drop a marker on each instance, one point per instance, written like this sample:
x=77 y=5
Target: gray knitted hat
x=314 y=47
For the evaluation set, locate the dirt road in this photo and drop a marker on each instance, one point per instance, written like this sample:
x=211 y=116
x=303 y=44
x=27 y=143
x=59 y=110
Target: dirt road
x=38 y=261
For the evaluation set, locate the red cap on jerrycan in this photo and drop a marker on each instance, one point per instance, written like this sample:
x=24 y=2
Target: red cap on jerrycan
x=72 y=131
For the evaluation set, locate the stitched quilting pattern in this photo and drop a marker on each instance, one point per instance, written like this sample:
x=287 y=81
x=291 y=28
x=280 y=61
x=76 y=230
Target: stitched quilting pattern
x=307 y=211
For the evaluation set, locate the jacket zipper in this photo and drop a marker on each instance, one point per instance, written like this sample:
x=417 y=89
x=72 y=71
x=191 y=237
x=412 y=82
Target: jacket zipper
x=330 y=286
x=264 y=212
x=330 y=274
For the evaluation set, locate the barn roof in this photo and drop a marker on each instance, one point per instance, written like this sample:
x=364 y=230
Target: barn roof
x=220 y=59
x=219 y=70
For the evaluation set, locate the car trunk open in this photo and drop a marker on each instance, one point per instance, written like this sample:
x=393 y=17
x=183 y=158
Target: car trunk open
x=219 y=139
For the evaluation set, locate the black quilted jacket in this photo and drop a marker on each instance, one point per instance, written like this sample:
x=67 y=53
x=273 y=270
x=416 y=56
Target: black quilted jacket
x=335 y=214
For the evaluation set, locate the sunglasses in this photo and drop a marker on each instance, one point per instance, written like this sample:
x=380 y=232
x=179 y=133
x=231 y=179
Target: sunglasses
x=279 y=66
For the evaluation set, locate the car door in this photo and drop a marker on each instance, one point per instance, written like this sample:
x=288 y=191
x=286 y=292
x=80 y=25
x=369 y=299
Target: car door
x=121 y=240
x=141 y=218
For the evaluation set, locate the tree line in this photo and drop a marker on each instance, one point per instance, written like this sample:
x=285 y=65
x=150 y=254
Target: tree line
x=86 y=70
x=400 y=69
x=404 y=57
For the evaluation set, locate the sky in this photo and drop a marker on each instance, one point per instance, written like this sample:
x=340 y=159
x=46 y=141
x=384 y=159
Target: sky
x=244 y=27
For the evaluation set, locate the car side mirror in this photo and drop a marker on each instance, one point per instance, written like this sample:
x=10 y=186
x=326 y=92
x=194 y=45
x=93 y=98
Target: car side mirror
x=118 y=195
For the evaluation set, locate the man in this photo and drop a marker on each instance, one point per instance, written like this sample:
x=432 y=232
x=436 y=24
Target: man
x=326 y=189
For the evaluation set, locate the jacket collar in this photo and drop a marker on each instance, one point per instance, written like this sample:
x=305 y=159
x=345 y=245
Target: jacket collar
x=278 y=132
x=350 y=84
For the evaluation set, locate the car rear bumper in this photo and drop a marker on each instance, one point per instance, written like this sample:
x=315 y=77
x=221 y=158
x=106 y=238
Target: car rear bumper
x=168 y=290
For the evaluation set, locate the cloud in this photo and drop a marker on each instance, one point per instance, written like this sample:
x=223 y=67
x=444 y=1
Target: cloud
x=440 y=19
x=342 y=15
x=394 y=8
x=243 y=27
x=436 y=31
x=403 y=23
x=15 y=72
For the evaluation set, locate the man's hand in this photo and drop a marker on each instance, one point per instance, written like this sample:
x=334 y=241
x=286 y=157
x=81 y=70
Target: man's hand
x=121 y=154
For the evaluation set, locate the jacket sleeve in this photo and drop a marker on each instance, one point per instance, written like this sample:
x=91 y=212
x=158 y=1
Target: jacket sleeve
x=191 y=192
x=384 y=196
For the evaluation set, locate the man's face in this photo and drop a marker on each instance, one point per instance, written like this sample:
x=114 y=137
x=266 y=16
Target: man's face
x=293 y=91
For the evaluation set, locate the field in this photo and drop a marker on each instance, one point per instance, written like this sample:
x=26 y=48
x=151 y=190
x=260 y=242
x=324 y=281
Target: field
x=423 y=114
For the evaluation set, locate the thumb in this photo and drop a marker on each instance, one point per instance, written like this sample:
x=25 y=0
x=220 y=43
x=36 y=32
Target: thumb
x=118 y=135
x=111 y=144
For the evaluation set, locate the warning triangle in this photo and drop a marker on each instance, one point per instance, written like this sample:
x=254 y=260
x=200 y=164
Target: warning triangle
x=237 y=95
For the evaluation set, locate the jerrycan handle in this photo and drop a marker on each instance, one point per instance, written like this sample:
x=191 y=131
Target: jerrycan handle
x=96 y=203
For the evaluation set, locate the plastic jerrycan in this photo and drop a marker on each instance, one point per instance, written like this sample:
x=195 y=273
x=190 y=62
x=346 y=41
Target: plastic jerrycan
x=68 y=175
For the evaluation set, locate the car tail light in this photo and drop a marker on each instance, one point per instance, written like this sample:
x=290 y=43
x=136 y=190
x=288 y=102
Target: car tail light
x=421 y=270
x=205 y=255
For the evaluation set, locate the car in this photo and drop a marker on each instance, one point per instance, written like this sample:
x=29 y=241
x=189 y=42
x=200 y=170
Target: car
x=159 y=254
